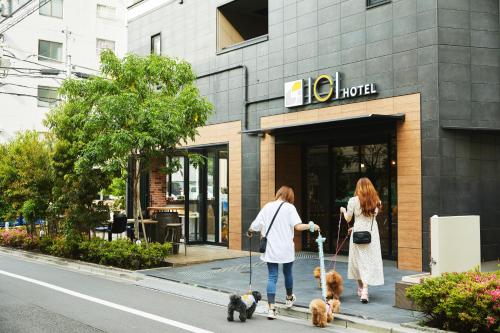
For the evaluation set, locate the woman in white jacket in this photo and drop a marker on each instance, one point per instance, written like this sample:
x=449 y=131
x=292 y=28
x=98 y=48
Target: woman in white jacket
x=280 y=246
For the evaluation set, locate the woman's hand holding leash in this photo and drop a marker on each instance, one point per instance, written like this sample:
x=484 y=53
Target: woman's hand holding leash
x=249 y=233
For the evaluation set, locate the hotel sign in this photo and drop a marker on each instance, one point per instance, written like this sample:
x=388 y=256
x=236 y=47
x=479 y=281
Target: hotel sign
x=322 y=89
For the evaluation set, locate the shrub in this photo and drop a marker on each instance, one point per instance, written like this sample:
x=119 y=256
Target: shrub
x=123 y=253
x=463 y=302
x=66 y=247
x=44 y=244
x=13 y=237
x=120 y=253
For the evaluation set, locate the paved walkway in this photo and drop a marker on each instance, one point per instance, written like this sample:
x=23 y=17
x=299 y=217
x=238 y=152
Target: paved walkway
x=197 y=254
x=232 y=276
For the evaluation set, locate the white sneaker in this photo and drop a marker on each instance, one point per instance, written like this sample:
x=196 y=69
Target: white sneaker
x=271 y=313
x=289 y=302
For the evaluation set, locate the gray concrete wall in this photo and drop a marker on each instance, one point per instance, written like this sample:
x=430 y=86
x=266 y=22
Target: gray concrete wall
x=465 y=168
x=444 y=49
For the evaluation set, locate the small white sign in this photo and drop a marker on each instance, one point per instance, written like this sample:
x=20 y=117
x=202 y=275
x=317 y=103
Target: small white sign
x=294 y=95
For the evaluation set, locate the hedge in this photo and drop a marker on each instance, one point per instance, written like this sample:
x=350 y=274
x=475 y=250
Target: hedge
x=119 y=253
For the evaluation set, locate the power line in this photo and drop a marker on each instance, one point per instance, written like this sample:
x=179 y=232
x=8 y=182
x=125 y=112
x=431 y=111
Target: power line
x=35 y=76
x=32 y=62
x=25 y=86
x=2 y=31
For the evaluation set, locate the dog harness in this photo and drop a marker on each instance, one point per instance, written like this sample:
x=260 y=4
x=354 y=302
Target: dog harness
x=248 y=299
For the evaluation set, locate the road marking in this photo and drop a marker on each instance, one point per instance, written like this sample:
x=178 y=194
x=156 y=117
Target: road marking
x=109 y=304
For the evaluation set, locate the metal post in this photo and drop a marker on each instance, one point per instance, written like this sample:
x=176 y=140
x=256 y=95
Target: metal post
x=67 y=33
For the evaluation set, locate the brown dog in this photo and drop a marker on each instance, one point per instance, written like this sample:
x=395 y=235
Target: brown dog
x=334 y=285
x=321 y=312
x=317 y=275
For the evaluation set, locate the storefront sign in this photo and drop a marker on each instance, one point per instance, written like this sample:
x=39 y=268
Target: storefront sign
x=322 y=89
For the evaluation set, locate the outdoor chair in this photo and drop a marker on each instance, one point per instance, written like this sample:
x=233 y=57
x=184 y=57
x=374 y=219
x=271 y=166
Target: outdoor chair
x=170 y=230
x=118 y=226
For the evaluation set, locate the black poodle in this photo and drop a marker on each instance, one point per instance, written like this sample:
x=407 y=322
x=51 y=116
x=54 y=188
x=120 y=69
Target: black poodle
x=245 y=305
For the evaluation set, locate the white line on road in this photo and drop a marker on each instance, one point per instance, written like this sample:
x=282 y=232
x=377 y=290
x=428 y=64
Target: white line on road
x=109 y=304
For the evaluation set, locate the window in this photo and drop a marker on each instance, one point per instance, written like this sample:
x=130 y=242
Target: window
x=49 y=50
x=104 y=44
x=156 y=44
x=106 y=12
x=240 y=22
x=52 y=8
x=373 y=3
x=47 y=96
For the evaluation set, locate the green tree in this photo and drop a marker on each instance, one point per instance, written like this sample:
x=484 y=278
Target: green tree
x=142 y=108
x=26 y=177
x=75 y=192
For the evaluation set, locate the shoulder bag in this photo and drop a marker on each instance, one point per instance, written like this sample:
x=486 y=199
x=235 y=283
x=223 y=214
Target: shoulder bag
x=363 y=237
x=263 y=240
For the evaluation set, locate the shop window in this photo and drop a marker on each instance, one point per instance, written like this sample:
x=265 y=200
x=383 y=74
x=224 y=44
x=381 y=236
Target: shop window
x=106 y=12
x=52 y=8
x=47 y=96
x=374 y=3
x=49 y=50
x=104 y=44
x=241 y=22
x=156 y=44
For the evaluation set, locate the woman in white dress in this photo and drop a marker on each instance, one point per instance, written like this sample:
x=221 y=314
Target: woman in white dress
x=365 y=260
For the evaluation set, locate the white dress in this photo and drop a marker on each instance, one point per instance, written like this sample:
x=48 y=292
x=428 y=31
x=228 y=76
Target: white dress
x=365 y=260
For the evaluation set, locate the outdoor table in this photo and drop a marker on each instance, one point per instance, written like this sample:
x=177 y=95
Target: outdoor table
x=149 y=224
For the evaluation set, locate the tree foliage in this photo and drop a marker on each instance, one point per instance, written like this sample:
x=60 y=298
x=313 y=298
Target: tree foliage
x=26 y=176
x=141 y=108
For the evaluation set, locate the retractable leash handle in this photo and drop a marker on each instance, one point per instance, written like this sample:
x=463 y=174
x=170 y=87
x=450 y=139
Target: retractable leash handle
x=320 y=240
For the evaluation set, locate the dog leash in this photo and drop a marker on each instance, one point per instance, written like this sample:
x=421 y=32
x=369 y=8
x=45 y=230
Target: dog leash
x=250 y=251
x=338 y=247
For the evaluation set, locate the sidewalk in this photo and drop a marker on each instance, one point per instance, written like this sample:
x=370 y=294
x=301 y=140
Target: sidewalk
x=232 y=276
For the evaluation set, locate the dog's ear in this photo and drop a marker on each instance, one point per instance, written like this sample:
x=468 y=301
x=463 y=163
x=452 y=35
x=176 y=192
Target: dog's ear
x=257 y=295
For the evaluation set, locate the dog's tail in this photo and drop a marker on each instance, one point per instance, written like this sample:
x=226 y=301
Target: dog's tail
x=317 y=272
x=234 y=298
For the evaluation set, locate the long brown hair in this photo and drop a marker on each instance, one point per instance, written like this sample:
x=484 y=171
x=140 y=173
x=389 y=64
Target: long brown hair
x=285 y=193
x=368 y=196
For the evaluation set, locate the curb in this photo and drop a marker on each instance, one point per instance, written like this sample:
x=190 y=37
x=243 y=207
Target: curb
x=340 y=321
x=347 y=321
x=75 y=265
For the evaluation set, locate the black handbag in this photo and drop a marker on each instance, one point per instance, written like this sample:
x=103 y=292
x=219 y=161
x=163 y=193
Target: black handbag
x=363 y=237
x=263 y=240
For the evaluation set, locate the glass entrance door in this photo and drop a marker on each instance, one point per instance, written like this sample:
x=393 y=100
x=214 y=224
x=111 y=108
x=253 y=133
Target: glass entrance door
x=332 y=173
x=208 y=197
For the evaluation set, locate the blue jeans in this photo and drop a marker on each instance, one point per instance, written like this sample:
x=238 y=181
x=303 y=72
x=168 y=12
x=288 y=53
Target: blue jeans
x=272 y=279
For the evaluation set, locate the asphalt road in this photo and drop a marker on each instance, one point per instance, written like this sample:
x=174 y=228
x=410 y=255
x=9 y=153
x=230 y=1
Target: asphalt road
x=38 y=297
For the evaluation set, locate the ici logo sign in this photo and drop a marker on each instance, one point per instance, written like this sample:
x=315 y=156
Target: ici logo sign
x=322 y=89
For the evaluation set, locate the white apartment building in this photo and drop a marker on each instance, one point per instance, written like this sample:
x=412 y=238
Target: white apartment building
x=44 y=41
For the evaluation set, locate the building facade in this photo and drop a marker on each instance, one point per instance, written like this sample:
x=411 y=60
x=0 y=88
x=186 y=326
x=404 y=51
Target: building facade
x=317 y=93
x=44 y=41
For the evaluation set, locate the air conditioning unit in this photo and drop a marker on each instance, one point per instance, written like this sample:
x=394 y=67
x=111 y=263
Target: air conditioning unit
x=455 y=244
x=5 y=8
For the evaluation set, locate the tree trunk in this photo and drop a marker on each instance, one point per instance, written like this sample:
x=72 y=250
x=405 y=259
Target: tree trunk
x=138 y=208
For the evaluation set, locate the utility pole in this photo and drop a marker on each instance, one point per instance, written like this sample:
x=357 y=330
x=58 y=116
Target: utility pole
x=67 y=33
